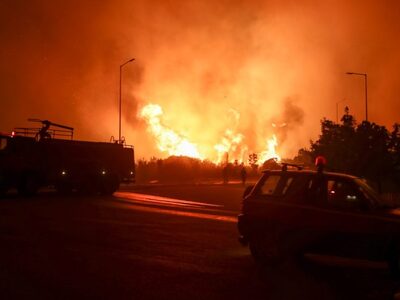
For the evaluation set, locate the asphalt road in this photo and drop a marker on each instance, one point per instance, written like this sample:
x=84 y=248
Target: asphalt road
x=156 y=242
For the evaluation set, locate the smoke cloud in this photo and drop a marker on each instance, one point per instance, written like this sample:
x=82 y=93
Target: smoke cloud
x=269 y=62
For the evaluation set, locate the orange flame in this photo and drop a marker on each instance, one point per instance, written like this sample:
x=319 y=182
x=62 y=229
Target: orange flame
x=167 y=139
x=230 y=143
x=231 y=148
x=270 y=152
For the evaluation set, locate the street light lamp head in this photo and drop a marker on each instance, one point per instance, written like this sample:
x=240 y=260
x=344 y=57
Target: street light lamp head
x=355 y=73
x=127 y=62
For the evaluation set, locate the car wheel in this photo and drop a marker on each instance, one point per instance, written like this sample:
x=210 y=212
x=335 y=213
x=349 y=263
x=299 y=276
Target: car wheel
x=266 y=250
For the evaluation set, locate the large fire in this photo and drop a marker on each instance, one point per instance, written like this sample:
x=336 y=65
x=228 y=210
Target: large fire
x=232 y=146
x=231 y=141
x=167 y=139
x=270 y=152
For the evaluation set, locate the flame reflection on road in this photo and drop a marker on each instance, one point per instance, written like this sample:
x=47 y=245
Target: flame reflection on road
x=151 y=203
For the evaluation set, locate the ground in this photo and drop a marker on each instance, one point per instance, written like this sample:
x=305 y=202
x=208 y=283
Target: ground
x=132 y=245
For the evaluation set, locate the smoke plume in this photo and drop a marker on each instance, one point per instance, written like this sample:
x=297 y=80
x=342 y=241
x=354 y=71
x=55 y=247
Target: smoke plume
x=271 y=62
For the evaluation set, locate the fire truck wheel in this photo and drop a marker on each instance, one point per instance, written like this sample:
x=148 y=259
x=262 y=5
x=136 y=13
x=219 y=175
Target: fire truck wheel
x=88 y=186
x=64 y=188
x=28 y=184
x=3 y=185
x=110 y=185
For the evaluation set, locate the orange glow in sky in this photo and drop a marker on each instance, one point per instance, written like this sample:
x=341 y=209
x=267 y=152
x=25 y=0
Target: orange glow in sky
x=222 y=72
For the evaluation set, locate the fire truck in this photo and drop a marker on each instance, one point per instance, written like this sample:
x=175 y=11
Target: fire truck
x=31 y=158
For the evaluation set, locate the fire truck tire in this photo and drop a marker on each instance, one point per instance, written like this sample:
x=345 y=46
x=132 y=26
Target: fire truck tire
x=28 y=185
x=64 y=188
x=3 y=185
x=88 y=186
x=110 y=185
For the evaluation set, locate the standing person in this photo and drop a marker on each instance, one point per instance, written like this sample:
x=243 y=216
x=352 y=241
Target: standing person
x=225 y=174
x=243 y=175
x=43 y=134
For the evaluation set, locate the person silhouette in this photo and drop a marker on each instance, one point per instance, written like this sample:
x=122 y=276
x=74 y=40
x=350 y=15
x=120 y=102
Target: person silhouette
x=243 y=175
x=225 y=174
x=43 y=134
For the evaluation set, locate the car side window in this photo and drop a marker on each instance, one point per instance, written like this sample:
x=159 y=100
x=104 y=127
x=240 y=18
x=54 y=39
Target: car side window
x=343 y=194
x=287 y=184
x=316 y=191
x=270 y=184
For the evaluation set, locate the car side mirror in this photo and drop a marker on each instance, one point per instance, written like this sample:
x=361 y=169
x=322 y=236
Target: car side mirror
x=247 y=191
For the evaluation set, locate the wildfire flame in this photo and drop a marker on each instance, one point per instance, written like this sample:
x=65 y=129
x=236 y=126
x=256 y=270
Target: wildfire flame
x=167 y=139
x=270 y=152
x=231 y=148
x=230 y=143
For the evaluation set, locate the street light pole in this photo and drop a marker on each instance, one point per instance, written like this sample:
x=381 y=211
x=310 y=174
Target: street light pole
x=120 y=97
x=366 y=91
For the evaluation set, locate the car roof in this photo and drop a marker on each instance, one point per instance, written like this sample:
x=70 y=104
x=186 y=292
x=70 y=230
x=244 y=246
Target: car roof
x=309 y=172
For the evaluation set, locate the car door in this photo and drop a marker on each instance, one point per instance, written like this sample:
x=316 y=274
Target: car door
x=300 y=228
x=344 y=221
x=261 y=208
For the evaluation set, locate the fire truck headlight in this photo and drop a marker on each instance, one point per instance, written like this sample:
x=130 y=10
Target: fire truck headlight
x=103 y=172
x=63 y=172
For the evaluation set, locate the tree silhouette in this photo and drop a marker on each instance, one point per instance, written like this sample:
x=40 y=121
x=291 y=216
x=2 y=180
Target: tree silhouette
x=253 y=159
x=367 y=149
